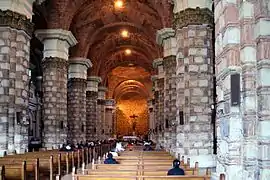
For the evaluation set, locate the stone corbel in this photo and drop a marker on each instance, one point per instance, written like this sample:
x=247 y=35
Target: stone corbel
x=166 y=38
x=56 y=42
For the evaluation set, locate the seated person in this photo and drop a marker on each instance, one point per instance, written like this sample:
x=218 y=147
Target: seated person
x=130 y=146
x=176 y=170
x=114 y=153
x=119 y=147
x=147 y=147
x=110 y=160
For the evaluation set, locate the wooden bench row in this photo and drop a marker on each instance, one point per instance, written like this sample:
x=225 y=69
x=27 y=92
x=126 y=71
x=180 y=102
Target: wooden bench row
x=114 y=177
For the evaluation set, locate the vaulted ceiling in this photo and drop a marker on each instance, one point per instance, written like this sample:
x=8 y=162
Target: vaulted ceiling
x=97 y=24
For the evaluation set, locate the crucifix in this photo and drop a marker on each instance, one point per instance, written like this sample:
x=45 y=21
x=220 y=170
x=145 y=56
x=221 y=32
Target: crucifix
x=134 y=123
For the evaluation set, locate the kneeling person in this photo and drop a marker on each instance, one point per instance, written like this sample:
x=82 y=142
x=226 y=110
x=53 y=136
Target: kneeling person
x=110 y=160
x=176 y=170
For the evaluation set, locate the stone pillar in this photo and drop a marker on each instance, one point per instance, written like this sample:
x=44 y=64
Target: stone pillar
x=159 y=99
x=262 y=37
x=109 y=117
x=151 y=118
x=15 y=35
x=76 y=99
x=55 y=63
x=166 y=38
x=155 y=107
x=233 y=56
x=91 y=107
x=193 y=25
x=101 y=123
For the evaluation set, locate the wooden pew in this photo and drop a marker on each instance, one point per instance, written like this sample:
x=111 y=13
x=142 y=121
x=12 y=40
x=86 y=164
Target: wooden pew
x=112 y=177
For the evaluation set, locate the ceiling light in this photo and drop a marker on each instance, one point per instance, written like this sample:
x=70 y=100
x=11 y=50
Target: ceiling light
x=125 y=34
x=119 y=4
x=128 y=51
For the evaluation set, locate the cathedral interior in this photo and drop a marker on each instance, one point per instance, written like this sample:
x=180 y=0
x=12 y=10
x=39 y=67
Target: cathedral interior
x=192 y=75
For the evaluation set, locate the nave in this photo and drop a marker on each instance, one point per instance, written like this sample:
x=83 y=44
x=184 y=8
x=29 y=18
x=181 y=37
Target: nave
x=88 y=164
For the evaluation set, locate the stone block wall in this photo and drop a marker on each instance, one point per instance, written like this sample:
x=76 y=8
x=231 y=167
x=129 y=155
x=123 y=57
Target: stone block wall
x=14 y=84
x=76 y=110
x=91 y=115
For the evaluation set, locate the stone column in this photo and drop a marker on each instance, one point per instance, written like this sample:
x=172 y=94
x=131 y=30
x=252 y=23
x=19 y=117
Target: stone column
x=166 y=38
x=76 y=99
x=234 y=55
x=159 y=99
x=15 y=35
x=101 y=123
x=91 y=107
x=193 y=25
x=109 y=118
x=155 y=107
x=151 y=122
x=262 y=36
x=55 y=63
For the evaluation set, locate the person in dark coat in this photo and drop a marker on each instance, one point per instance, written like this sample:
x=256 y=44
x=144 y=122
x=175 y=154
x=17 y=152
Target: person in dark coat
x=176 y=170
x=110 y=160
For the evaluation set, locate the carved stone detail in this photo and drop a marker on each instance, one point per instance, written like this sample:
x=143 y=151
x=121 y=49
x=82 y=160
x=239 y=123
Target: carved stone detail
x=192 y=16
x=54 y=62
x=16 y=21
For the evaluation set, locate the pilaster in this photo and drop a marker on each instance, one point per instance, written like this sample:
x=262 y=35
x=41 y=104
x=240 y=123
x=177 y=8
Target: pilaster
x=55 y=69
x=194 y=84
x=101 y=126
x=109 y=117
x=91 y=107
x=77 y=76
x=15 y=35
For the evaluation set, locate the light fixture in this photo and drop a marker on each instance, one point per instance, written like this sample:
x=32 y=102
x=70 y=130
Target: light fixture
x=127 y=51
x=124 y=33
x=118 y=4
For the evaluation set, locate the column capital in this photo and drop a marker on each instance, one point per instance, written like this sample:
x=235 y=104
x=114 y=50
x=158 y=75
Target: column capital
x=94 y=78
x=16 y=20
x=102 y=88
x=23 y=7
x=157 y=62
x=56 y=42
x=102 y=92
x=78 y=68
x=164 y=34
x=92 y=83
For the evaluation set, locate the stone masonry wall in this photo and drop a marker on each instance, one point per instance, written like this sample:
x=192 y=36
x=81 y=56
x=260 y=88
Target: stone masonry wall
x=194 y=68
x=91 y=115
x=54 y=101
x=76 y=110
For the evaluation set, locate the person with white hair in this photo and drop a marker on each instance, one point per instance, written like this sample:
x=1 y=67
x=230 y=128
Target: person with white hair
x=119 y=147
